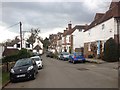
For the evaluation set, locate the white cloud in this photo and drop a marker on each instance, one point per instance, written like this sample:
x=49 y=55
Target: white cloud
x=54 y=31
x=50 y=17
x=5 y=34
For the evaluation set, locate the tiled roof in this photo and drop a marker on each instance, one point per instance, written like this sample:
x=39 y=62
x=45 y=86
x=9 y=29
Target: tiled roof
x=13 y=42
x=69 y=32
x=10 y=51
x=114 y=11
x=37 y=47
x=65 y=33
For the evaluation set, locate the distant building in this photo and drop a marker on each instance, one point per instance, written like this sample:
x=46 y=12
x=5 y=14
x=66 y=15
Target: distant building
x=15 y=45
x=53 y=43
x=78 y=38
x=59 y=42
x=38 y=46
x=73 y=38
x=67 y=39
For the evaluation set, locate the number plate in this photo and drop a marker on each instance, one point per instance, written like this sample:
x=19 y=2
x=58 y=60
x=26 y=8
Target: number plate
x=79 y=59
x=23 y=75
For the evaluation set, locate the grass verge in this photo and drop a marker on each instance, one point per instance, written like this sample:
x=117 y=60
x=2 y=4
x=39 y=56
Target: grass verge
x=5 y=77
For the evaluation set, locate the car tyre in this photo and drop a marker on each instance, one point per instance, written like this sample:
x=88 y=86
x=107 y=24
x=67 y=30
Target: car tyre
x=83 y=61
x=34 y=76
x=74 y=62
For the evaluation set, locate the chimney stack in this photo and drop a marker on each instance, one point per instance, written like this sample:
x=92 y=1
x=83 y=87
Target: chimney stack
x=69 y=26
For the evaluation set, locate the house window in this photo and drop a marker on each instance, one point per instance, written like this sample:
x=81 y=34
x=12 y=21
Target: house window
x=103 y=26
x=27 y=45
x=70 y=39
x=18 y=45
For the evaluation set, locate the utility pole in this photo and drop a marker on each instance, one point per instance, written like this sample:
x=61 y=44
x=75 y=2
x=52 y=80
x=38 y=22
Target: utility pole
x=21 y=33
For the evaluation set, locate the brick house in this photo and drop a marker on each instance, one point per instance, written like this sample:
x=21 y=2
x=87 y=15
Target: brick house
x=53 y=40
x=59 y=42
x=67 y=39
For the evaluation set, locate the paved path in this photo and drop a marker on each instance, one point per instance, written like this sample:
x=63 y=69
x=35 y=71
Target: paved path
x=61 y=74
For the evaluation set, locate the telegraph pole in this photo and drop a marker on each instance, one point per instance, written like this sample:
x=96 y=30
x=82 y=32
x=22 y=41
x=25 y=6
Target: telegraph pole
x=21 y=33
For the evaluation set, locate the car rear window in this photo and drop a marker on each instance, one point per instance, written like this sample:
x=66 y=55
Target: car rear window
x=36 y=59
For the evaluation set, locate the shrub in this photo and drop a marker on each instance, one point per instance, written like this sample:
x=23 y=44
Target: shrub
x=23 y=53
x=110 y=53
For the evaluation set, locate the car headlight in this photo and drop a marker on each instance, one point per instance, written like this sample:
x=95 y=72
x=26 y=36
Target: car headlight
x=12 y=71
x=30 y=68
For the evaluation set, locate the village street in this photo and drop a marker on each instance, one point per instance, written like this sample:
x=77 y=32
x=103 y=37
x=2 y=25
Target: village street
x=62 y=74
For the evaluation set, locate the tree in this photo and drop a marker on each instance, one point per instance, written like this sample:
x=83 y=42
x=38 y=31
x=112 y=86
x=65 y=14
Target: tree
x=110 y=51
x=34 y=35
x=46 y=43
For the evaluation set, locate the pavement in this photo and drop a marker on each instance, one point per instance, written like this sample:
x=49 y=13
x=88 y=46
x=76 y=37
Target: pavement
x=99 y=61
x=62 y=74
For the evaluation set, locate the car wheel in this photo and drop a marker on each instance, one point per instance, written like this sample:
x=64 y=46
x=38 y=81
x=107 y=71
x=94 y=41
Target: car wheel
x=84 y=61
x=34 y=76
x=74 y=62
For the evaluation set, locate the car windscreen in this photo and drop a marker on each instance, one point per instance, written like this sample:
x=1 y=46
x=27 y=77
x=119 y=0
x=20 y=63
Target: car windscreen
x=23 y=62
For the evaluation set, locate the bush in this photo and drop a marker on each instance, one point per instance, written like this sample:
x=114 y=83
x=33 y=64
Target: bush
x=23 y=53
x=110 y=53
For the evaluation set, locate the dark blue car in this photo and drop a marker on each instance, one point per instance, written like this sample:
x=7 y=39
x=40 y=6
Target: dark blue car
x=76 y=57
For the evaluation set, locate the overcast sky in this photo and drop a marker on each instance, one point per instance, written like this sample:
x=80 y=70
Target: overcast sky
x=49 y=17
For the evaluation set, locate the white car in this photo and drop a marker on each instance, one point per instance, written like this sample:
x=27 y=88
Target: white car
x=38 y=60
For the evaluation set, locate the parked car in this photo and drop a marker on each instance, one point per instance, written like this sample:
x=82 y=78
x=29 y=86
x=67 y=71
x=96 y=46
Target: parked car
x=58 y=56
x=36 y=54
x=64 y=56
x=49 y=54
x=76 y=57
x=23 y=69
x=38 y=60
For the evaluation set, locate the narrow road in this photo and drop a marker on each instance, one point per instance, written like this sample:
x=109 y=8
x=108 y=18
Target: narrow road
x=61 y=74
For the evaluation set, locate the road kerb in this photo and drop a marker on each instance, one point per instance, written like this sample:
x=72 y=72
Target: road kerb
x=5 y=84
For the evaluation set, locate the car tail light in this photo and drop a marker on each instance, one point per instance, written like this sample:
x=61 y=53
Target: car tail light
x=74 y=56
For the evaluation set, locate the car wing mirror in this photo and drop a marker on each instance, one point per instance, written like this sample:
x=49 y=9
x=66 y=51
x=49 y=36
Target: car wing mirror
x=11 y=67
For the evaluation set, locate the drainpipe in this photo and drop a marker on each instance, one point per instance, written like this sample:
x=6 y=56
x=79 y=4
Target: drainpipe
x=118 y=33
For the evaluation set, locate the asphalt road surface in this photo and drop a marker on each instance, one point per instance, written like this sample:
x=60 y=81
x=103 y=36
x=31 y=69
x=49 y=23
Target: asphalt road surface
x=61 y=74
